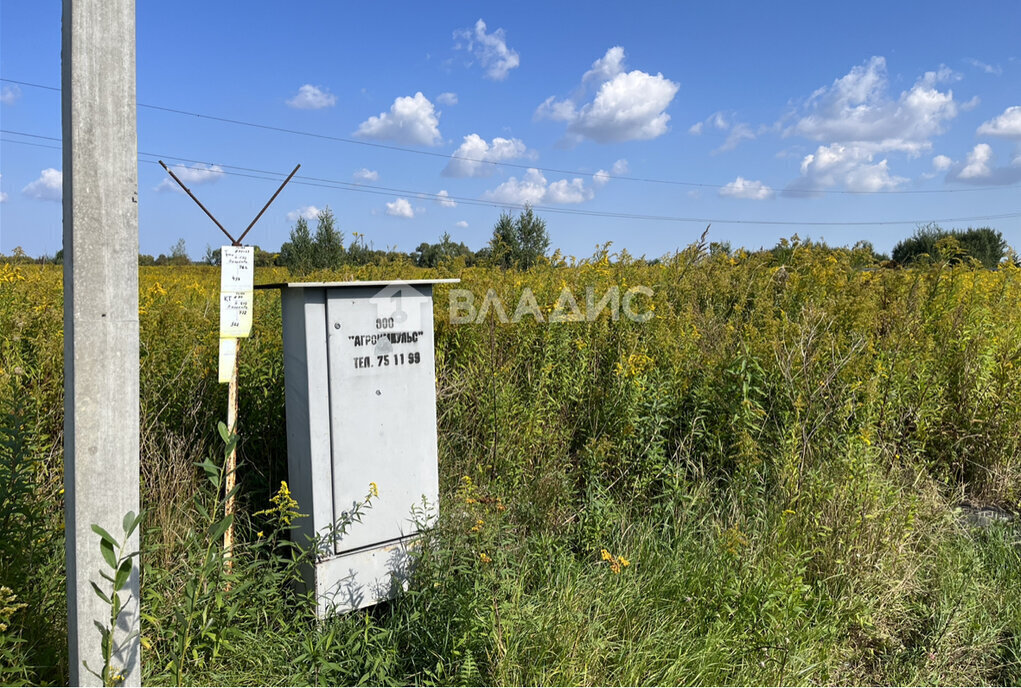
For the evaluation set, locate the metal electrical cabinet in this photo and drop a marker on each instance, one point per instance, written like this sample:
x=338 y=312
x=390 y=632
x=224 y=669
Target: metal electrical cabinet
x=360 y=379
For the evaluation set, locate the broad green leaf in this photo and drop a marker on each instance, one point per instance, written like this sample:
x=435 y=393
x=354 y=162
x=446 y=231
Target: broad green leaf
x=123 y=573
x=103 y=534
x=106 y=547
x=132 y=523
x=217 y=531
x=100 y=593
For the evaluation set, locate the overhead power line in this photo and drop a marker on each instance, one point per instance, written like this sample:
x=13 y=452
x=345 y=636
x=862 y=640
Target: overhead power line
x=340 y=185
x=520 y=166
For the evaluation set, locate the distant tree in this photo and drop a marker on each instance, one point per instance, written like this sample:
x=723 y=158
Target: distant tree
x=432 y=255
x=931 y=242
x=212 y=256
x=985 y=245
x=265 y=259
x=329 y=243
x=518 y=242
x=864 y=255
x=305 y=253
x=298 y=253
x=17 y=257
x=144 y=259
x=919 y=247
x=361 y=253
x=720 y=248
x=179 y=254
x=58 y=257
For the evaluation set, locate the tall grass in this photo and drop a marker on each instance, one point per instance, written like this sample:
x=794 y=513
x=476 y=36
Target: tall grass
x=777 y=454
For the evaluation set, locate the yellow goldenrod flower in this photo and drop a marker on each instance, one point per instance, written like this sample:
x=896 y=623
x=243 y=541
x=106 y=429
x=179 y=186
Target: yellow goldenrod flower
x=285 y=508
x=616 y=563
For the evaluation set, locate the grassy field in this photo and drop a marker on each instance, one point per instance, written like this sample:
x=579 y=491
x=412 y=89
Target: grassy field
x=755 y=486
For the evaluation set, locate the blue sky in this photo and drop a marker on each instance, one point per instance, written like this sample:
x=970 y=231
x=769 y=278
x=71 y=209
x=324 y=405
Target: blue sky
x=635 y=123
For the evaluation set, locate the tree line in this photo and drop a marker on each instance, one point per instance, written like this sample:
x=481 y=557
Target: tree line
x=522 y=241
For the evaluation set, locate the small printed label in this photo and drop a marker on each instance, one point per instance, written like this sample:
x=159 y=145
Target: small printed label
x=228 y=356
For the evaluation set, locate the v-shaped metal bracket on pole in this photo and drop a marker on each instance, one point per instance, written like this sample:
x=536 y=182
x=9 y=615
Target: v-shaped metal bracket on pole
x=233 y=241
x=232 y=390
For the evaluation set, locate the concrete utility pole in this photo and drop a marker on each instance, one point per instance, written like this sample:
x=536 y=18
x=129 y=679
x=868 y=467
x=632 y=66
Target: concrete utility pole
x=100 y=321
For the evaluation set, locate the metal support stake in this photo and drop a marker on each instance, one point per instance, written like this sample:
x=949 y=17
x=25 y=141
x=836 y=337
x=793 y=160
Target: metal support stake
x=232 y=463
x=232 y=386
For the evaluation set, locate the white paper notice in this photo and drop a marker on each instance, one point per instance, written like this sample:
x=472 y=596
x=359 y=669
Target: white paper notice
x=236 y=313
x=228 y=356
x=237 y=269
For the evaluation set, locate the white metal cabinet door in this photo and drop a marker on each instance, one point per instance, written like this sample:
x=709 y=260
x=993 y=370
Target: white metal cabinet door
x=382 y=408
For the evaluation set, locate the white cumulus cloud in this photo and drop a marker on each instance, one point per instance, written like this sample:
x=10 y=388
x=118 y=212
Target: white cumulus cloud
x=461 y=223
x=857 y=119
x=746 y=188
x=3 y=195
x=9 y=94
x=533 y=188
x=366 y=175
x=858 y=109
x=447 y=98
x=400 y=208
x=977 y=164
x=48 y=187
x=490 y=49
x=980 y=168
x=309 y=212
x=1007 y=125
x=628 y=106
x=445 y=200
x=311 y=97
x=191 y=175
x=850 y=166
x=942 y=162
x=412 y=120
x=618 y=169
x=474 y=157
x=606 y=67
